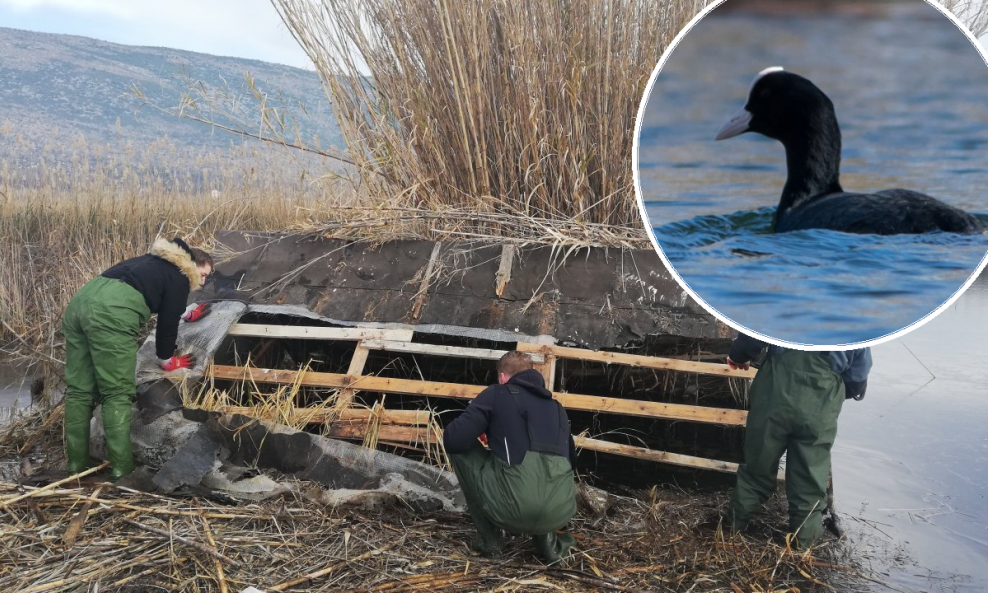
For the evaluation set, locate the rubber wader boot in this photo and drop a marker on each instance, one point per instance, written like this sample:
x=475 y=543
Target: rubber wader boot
x=552 y=547
x=116 y=424
x=77 y=437
x=487 y=542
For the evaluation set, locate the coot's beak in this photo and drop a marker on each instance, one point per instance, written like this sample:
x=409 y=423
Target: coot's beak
x=736 y=125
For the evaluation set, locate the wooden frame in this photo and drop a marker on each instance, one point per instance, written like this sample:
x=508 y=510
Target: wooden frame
x=403 y=426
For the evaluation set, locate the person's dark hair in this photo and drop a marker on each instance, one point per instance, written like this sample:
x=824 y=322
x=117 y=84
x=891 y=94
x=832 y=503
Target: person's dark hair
x=201 y=257
x=514 y=362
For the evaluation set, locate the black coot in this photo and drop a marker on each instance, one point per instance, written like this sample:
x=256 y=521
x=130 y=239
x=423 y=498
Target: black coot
x=792 y=110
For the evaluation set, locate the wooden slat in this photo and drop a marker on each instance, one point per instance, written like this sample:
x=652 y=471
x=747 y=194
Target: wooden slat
x=357 y=362
x=636 y=360
x=504 y=269
x=423 y=291
x=588 y=403
x=547 y=368
x=304 y=332
x=653 y=455
x=323 y=415
x=437 y=350
x=410 y=434
x=410 y=426
x=390 y=432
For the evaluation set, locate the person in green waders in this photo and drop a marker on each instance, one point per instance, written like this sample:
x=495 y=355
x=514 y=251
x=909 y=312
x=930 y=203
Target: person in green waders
x=101 y=326
x=524 y=483
x=794 y=402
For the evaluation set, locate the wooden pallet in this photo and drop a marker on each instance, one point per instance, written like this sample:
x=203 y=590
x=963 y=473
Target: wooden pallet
x=413 y=426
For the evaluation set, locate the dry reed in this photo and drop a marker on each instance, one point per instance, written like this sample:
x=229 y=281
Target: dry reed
x=525 y=109
x=124 y=540
x=61 y=226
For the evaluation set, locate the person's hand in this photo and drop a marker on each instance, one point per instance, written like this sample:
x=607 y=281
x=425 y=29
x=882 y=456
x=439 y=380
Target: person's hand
x=174 y=363
x=196 y=313
x=744 y=366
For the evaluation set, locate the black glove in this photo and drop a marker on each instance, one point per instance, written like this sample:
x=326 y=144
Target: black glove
x=855 y=390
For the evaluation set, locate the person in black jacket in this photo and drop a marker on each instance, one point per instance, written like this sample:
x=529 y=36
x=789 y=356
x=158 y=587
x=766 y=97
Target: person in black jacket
x=524 y=483
x=101 y=326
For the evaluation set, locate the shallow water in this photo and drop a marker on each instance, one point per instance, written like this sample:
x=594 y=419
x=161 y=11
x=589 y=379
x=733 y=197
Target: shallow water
x=909 y=91
x=14 y=393
x=911 y=460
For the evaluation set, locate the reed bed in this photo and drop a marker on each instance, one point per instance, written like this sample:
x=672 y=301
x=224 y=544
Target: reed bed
x=61 y=225
x=106 y=537
x=526 y=109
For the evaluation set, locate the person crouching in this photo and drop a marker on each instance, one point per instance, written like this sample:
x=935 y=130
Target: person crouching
x=524 y=483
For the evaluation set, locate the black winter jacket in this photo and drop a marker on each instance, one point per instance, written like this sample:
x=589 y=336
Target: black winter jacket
x=164 y=278
x=495 y=413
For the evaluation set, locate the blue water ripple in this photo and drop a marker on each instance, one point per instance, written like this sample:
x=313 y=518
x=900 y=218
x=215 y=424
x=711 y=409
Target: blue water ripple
x=816 y=286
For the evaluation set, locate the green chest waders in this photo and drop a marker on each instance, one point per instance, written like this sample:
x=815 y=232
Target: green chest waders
x=535 y=497
x=101 y=325
x=795 y=401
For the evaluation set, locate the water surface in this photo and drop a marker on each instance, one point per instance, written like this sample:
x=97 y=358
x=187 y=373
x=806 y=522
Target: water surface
x=911 y=460
x=909 y=90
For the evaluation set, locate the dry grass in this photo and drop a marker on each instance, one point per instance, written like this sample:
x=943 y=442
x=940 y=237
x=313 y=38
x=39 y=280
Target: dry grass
x=65 y=225
x=280 y=404
x=132 y=541
x=525 y=109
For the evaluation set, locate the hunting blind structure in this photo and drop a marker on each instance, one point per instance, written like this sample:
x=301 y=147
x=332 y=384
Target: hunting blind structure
x=377 y=341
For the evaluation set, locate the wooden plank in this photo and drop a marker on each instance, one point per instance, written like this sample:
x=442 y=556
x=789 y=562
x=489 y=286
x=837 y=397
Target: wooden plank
x=436 y=350
x=387 y=432
x=654 y=455
x=650 y=409
x=661 y=456
x=357 y=362
x=637 y=360
x=547 y=368
x=303 y=332
x=423 y=291
x=588 y=403
x=323 y=415
x=407 y=434
x=504 y=269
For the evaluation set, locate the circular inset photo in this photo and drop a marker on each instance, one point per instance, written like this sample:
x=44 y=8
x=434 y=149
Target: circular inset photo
x=815 y=174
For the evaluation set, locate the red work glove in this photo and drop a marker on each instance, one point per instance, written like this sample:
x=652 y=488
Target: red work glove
x=744 y=366
x=196 y=313
x=483 y=438
x=174 y=363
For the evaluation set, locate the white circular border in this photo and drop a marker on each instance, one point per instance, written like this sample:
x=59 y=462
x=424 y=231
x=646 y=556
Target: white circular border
x=724 y=319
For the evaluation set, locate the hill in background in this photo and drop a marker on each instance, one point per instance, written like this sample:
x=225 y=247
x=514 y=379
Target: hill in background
x=70 y=100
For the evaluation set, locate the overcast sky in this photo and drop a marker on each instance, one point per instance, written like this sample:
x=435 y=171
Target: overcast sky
x=241 y=28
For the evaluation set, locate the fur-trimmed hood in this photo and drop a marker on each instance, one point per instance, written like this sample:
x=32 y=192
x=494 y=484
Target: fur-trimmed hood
x=172 y=253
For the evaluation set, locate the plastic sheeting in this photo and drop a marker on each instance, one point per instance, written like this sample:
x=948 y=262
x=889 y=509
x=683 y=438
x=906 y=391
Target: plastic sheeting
x=194 y=448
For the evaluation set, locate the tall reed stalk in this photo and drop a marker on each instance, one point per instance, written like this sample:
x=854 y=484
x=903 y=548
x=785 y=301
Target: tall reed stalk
x=499 y=106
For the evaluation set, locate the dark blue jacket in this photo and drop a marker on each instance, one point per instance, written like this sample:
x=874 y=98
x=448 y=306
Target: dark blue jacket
x=853 y=366
x=496 y=413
